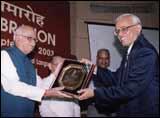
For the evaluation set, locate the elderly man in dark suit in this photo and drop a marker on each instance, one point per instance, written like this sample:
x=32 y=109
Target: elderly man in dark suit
x=135 y=85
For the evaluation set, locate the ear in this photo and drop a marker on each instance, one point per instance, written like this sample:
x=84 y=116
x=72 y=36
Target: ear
x=97 y=57
x=14 y=37
x=139 y=28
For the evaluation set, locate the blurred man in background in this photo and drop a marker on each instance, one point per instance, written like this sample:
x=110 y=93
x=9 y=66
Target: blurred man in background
x=103 y=62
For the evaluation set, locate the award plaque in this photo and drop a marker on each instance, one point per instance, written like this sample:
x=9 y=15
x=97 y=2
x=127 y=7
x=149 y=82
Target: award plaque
x=74 y=76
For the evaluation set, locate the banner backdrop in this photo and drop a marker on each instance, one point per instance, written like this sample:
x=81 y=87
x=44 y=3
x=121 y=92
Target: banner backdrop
x=51 y=21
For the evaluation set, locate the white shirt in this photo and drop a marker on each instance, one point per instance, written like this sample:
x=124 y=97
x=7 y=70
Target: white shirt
x=58 y=108
x=11 y=83
x=129 y=49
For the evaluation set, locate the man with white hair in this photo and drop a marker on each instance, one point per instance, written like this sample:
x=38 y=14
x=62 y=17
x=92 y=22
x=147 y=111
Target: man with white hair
x=20 y=86
x=135 y=85
x=54 y=107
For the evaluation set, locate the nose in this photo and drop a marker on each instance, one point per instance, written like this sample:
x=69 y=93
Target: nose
x=120 y=34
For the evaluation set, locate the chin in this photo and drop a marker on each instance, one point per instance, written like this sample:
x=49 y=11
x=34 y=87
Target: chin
x=29 y=52
x=125 y=45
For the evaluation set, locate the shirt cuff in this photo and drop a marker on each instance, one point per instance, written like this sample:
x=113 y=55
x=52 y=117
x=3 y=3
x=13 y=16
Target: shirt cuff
x=37 y=94
x=95 y=70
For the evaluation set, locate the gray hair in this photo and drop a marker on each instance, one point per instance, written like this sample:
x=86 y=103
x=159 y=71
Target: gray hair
x=21 y=29
x=135 y=18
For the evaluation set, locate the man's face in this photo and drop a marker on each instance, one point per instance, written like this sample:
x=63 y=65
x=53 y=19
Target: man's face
x=26 y=40
x=127 y=31
x=103 y=59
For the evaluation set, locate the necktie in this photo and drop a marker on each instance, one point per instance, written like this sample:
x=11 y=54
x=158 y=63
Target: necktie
x=124 y=68
x=126 y=60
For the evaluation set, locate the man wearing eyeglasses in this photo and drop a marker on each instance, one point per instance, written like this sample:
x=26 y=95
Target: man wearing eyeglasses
x=135 y=85
x=19 y=86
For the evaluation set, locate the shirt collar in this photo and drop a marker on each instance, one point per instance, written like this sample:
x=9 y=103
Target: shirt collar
x=129 y=49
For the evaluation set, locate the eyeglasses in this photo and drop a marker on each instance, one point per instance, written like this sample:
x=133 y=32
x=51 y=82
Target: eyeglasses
x=29 y=38
x=124 y=29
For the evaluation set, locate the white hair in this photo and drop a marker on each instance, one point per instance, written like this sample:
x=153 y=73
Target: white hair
x=135 y=18
x=21 y=29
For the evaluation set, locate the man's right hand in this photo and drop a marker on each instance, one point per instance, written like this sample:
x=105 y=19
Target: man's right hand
x=56 y=93
x=86 y=61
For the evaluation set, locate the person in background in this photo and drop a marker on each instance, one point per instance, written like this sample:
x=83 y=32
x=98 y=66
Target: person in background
x=20 y=87
x=54 y=107
x=103 y=62
x=135 y=85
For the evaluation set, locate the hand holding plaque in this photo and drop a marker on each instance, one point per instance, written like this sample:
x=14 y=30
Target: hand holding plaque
x=74 y=76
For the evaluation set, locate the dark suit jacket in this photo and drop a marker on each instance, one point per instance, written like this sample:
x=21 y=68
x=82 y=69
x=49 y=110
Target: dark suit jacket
x=135 y=88
x=100 y=83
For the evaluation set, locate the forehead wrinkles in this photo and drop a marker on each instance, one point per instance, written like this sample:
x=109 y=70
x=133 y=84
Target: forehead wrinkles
x=125 y=21
x=26 y=30
x=103 y=53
